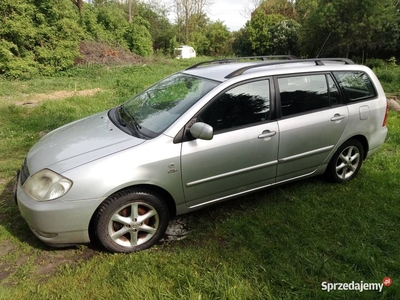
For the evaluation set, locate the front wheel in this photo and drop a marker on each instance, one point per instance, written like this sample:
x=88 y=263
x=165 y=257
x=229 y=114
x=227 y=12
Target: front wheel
x=131 y=220
x=346 y=162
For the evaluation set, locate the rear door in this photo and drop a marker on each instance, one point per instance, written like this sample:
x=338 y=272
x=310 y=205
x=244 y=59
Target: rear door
x=313 y=118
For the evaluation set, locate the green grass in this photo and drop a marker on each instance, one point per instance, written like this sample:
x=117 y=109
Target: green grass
x=281 y=243
x=389 y=76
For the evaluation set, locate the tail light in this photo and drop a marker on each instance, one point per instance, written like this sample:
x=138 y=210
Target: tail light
x=386 y=115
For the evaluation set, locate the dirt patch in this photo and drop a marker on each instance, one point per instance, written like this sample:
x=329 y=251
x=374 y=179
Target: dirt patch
x=3 y=181
x=5 y=248
x=48 y=263
x=60 y=95
x=6 y=269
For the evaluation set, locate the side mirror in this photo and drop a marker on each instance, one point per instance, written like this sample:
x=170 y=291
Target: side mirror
x=202 y=131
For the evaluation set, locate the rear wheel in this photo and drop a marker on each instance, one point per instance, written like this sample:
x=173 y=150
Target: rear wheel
x=346 y=162
x=131 y=220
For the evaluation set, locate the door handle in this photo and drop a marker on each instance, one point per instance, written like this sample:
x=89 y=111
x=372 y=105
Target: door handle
x=338 y=117
x=266 y=134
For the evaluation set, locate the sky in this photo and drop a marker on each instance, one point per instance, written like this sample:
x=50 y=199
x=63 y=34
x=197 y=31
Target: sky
x=230 y=12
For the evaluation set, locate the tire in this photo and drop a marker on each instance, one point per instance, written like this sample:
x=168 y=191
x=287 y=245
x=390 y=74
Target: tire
x=346 y=162
x=130 y=220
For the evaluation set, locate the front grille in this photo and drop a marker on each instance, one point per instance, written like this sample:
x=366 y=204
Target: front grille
x=24 y=172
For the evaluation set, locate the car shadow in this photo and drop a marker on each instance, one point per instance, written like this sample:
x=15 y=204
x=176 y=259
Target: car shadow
x=16 y=226
x=179 y=228
x=14 y=223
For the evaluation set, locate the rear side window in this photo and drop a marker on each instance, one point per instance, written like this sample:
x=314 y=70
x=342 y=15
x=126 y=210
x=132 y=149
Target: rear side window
x=356 y=85
x=305 y=93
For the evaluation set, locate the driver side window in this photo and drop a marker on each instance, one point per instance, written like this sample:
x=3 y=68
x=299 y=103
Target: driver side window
x=243 y=105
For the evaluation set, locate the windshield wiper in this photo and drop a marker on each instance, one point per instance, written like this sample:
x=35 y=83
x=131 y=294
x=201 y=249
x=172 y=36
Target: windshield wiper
x=121 y=119
x=122 y=110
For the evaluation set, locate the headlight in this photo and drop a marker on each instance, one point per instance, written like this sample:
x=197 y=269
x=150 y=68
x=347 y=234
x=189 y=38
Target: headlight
x=47 y=185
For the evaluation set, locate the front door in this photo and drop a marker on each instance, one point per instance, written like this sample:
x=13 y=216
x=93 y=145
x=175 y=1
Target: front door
x=242 y=156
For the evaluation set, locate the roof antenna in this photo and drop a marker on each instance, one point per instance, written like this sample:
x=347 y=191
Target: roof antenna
x=323 y=45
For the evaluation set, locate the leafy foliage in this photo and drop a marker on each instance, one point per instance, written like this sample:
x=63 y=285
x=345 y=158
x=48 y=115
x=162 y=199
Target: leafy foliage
x=327 y=28
x=218 y=36
x=304 y=8
x=344 y=26
x=279 y=7
x=160 y=29
x=44 y=37
x=138 y=37
x=269 y=33
x=37 y=37
x=285 y=37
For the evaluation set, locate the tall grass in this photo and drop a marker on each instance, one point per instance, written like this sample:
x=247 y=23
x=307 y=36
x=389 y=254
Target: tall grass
x=389 y=75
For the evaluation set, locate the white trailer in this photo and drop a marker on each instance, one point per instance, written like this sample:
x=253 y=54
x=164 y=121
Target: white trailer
x=184 y=52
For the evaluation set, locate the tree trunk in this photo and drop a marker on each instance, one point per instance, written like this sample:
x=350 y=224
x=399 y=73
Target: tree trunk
x=130 y=11
x=78 y=4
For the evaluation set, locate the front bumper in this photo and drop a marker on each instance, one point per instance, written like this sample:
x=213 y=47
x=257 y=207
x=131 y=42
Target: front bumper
x=57 y=223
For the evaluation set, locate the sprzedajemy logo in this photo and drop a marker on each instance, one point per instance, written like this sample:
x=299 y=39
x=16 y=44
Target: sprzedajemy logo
x=356 y=286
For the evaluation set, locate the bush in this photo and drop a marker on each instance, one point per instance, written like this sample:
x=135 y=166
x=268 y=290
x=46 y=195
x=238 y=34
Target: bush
x=38 y=38
x=386 y=75
x=15 y=66
x=374 y=63
x=389 y=75
x=139 y=38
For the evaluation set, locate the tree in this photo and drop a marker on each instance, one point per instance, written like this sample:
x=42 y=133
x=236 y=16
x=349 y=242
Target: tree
x=113 y=22
x=188 y=13
x=250 y=7
x=259 y=32
x=160 y=28
x=304 y=8
x=241 y=45
x=272 y=29
x=219 y=37
x=284 y=36
x=138 y=37
x=78 y=4
x=341 y=27
x=278 y=7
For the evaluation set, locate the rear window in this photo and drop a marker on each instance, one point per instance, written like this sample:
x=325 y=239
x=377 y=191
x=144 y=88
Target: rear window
x=356 y=85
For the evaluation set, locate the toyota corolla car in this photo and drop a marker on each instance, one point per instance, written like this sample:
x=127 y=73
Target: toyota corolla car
x=217 y=130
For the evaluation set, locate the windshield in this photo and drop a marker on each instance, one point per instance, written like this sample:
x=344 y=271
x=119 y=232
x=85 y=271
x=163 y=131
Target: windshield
x=155 y=109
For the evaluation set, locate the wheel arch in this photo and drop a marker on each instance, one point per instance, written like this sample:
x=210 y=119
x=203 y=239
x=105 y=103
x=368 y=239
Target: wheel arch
x=166 y=196
x=364 y=142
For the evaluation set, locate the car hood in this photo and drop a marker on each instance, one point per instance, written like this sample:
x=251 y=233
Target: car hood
x=78 y=143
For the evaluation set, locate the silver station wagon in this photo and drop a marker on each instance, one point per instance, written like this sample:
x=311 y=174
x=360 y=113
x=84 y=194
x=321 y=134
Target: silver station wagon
x=217 y=130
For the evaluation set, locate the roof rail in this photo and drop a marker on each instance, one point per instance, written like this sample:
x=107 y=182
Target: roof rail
x=317 y=61
x=235 y=59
